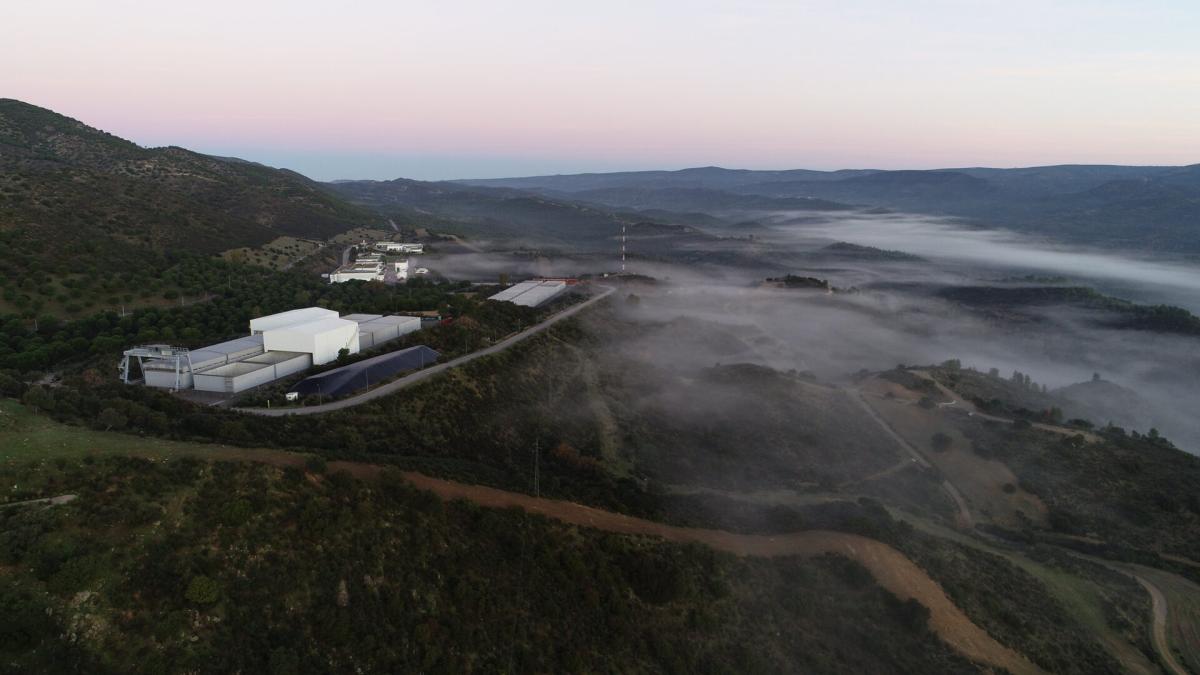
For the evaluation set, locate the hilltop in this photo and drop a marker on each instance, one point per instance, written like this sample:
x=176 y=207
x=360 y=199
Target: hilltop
x=103 y=199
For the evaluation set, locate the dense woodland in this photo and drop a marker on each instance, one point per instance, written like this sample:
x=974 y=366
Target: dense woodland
x=217 y=299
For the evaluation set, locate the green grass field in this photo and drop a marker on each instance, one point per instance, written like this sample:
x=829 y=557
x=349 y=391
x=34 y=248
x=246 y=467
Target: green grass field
x=28 y=436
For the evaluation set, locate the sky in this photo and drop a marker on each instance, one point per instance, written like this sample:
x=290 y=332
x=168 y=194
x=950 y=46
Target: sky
x=486 y=89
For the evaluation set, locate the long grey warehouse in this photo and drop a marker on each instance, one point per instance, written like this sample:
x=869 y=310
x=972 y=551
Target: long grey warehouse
x=232 y=378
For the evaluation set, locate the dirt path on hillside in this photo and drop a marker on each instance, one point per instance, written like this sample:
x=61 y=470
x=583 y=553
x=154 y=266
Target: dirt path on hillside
x=891 y=569
x=1159 y=628
x=964 y=518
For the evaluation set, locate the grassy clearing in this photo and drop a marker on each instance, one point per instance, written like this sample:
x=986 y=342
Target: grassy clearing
x=990 y=486
x=28 y=436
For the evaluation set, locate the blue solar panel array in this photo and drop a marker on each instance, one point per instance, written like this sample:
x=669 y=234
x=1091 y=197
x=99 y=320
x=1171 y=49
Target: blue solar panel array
x=351 y=378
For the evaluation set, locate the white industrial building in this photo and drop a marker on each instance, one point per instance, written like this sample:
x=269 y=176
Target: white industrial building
x=322 y=338
x=232 y=378
x=279 y=345
x=371 y=267
x=357 y=272
x=534 y=292
x=263 y=323
x=399 y=247
x=374 y=329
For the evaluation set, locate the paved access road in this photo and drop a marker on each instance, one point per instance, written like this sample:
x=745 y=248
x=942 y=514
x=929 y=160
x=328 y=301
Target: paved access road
x=422 y=375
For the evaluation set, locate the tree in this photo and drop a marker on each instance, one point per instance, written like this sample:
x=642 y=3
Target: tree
x=940 y=442
x=203 y=590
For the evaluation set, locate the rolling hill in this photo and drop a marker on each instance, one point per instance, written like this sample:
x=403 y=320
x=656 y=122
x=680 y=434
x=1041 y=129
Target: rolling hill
x=1122 y=207
x=69 y=193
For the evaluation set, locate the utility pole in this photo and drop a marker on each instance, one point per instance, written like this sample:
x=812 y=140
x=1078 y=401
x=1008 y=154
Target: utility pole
x=537 y=486
x=622 y=248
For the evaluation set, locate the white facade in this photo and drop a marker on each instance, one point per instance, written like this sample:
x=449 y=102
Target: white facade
x=374 y=332
x=322 y=338
x=264 y=323
x=356 y=274
x=399 y=247
x=236 y=377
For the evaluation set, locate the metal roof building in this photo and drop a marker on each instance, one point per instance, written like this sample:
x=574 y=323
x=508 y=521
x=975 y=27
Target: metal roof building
x=532 y=293
x=374 y=332
x=288 y=318
x=238 y=376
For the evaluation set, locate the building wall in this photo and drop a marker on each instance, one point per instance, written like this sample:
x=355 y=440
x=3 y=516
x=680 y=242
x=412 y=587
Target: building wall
x=340 y=277
x=165 y=379
x=323 y=345
x=232 y=384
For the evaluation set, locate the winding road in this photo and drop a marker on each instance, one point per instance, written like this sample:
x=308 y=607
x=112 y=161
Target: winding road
x=422 y=375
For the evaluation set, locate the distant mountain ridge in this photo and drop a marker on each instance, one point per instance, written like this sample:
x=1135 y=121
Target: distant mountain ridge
x=1128 y=207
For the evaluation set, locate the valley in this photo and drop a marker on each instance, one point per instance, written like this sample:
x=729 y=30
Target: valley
x=780 y=421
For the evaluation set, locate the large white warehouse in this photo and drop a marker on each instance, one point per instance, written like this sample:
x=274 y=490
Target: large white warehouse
x=278 y=345
x=264 y=323
x=322 y=338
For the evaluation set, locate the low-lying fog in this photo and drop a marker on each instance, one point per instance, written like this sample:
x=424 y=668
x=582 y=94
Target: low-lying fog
x=947 y=240
x=896 y=319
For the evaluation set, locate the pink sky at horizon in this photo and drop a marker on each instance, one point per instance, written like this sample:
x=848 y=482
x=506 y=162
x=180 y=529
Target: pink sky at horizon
x=478 y=89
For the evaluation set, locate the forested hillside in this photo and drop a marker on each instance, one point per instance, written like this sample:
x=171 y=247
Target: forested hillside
x=187 y=566
x=73 y=197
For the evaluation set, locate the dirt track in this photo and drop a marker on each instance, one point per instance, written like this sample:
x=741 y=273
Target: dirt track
x=891 y=569
x=1159 y=627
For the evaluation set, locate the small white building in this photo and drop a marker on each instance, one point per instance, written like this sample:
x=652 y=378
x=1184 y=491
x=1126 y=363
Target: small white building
x=400 y=247
x=356 y=273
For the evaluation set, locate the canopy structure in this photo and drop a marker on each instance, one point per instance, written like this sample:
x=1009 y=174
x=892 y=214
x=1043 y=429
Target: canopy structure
x=351 y=378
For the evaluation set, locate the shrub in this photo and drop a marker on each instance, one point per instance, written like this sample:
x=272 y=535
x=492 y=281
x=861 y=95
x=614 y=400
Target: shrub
x=203 y=590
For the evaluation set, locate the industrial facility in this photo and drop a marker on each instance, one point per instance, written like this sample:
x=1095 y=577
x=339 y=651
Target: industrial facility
x=534 y=292
x=371 y=267
x=279 y=345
